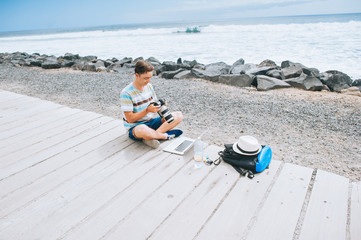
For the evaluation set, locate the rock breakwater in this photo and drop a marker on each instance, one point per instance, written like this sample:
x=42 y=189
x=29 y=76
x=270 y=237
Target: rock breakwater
x=264 y=76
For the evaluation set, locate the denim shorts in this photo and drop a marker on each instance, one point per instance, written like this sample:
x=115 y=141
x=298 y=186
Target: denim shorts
x=155 y=123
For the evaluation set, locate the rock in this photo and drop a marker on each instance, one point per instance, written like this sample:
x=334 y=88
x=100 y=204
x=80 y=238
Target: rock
x=336 y=80
x=159 y=68
x=292 y=71
x=314 y=72
x=265 y=83
x=124 y=60
x=137 y=59
x=153 y=61
x=179 y=61
x=208 y=75
x=171 y=66
x=50 y=63
x=170 y=74
x=241 y=69
x=99 y=66
x=108 y=63
x=357 y=83
x=190 y=63
x=242 y=80
x=70 y=56
x=306 y=83
x=88 y=58
x=90 y=66
x=287 y=63
x=267 y=63
x=185 y=74
x=123 y=70
x=35 y=62
x=352 y=91
x=275 y=74
x=259 y=70
x=68 y=63
x=200 y=66
x=129 y=65
x=218 y=68
x=238 y=62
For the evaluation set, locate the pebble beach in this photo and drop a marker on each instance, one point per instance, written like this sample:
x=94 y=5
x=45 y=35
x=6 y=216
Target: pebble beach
x=314 y=129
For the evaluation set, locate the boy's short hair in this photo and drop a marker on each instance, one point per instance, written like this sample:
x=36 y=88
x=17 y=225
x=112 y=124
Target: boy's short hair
x=143 y=67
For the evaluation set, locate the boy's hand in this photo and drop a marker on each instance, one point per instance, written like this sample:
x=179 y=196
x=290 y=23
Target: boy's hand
x=152 y=108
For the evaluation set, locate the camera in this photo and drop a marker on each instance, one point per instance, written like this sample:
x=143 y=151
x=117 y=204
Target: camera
x=164 y=111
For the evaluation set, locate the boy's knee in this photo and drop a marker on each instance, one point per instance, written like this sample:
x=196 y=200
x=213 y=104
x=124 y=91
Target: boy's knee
x=178 y=116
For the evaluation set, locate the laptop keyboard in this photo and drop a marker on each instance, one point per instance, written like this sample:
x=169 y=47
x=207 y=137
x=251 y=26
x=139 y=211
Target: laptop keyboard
x=181 y=147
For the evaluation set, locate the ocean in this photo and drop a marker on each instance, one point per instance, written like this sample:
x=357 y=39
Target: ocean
x=326 y=42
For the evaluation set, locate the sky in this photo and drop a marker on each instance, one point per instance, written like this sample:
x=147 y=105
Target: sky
x=20 y=15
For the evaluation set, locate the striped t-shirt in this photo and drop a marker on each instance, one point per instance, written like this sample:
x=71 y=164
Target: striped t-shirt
x=133 y=100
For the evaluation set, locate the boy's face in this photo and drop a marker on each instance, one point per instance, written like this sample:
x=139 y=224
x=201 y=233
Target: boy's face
x=144 y=78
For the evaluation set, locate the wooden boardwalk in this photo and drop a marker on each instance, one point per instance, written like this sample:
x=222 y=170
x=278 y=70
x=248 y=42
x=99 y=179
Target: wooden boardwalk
x=71 y=174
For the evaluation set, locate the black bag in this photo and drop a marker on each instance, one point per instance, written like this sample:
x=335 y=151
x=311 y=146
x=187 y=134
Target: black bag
x=247 y=165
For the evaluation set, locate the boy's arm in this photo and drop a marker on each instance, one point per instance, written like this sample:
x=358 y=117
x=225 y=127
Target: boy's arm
x=135 y=116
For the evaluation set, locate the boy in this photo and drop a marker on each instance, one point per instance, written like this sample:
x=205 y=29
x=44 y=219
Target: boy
x=140 y=115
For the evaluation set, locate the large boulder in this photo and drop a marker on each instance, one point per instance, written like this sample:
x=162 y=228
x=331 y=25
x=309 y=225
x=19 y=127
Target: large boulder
x=260 y=70
x=171 y=66
x=267 y=63
x=51 y=63
x=242 y=80
x=184 y=74
x=292 y=71
x=275 y=73
x=204 y=74
x=90 y=66
x=336 y=80
x=70 y=56
x=357 y=83
x=242 y=68
x=265 y=83
x=153 y=61
x=306 y=83
x=170 y=74
x=218 y=68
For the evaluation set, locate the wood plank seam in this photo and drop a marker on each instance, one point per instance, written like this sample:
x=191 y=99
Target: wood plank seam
x=67 y=163
x=262 y=202
x=181 y=202
x=144 y=200
x=216 y=209
x=83 y=132
x=301 y=218
x=348 y=222
x=59 y=185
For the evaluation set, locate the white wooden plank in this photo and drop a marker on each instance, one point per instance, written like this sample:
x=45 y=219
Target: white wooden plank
x=230 y=221
x=355 y=216
x=141 y=222
x=280 y=212
x=79 y=135
x=326 y=215
x=77 y=199
x=107 y=139
x=40 y=138
x=6 y=95
x=40 y=107
x=187 y=219
x=47 y=192
x=50 y=138
x=18 y=104
x=45 y=122
x=129 y=200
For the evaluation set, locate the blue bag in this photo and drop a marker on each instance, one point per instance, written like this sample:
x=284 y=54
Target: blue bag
x=244 y=164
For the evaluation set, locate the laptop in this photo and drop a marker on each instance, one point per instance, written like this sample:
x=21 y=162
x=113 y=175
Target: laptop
x=179 y=145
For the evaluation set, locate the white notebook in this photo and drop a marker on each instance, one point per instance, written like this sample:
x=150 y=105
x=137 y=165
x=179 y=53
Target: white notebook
x=179 y=145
